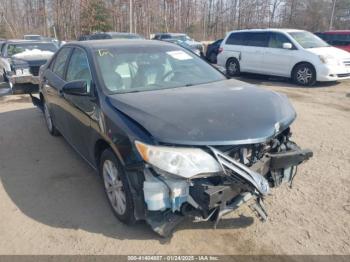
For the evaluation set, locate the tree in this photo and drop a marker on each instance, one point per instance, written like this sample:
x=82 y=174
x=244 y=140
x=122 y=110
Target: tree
x=95 y=16
x=201 y=19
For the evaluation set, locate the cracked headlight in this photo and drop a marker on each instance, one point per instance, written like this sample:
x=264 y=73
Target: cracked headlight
x=184 y=162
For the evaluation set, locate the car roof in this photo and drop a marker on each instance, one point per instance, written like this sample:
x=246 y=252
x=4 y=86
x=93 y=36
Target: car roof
x=115 y=33
x=98 y=44
x=341 y=32
x=172 y=34
x=21 y=41
x=281 y=30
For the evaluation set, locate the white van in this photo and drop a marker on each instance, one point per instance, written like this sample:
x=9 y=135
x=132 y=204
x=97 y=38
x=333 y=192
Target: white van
x=296 y=54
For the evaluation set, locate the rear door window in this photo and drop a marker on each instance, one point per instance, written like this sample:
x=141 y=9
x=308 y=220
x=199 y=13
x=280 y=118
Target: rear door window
x=257 y=39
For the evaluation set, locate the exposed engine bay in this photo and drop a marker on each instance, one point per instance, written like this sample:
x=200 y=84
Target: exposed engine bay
x=246 y=173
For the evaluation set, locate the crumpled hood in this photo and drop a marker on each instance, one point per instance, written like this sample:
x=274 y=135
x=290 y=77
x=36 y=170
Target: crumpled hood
x=331 y=51
x=222 y=113
x=22 y=63
x=33 y=55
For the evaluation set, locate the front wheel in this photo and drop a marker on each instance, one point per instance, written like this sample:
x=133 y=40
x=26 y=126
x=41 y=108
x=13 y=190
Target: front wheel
x=233 y=67
x=117 y=187
x=304 y=75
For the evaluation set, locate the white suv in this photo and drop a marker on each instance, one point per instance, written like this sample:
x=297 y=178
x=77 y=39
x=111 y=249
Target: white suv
x=297 y=54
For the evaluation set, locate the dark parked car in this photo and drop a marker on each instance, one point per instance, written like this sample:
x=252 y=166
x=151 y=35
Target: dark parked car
x=20 y=62
x=337 y=38
x=170 y=136
x=213 y=50
x=184 y=45
x=43 y=39
x=110 y=35
x=33 y=37
x=181 y=37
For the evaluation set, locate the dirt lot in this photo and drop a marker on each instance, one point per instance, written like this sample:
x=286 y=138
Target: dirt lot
x=51 y=202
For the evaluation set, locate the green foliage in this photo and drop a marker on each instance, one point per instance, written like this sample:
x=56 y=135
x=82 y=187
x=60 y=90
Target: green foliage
x=95 y=16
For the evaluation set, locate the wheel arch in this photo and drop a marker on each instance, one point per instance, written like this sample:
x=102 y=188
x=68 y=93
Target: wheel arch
x=300 y=63
x=100 y=146
x=231 y=58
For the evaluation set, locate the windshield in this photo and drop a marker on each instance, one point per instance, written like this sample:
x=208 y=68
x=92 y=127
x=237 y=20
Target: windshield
x=14 y=49
x=135 y=68
x=308 y=40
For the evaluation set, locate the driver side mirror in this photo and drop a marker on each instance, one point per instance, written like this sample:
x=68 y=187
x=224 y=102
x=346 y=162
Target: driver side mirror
x=77 y=88
x=287 y=46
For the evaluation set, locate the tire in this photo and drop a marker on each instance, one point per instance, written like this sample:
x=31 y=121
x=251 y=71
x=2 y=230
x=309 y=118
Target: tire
x=304 y=75
x=116 y=187
x=49 y=122
x=232 y=67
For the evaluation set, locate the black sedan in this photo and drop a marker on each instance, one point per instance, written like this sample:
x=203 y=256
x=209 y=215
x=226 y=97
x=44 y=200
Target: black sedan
x=170 y=135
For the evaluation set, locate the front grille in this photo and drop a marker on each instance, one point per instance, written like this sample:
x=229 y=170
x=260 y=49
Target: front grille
x=245 y=154
x=240 y=172
x=344 y=75
x=34 y=70
x=347 y=62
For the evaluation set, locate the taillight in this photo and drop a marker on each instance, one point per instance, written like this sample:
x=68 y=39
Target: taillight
x=220 y=50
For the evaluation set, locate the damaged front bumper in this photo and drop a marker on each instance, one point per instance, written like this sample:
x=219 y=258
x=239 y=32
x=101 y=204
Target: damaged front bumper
x=24 y=79
x=170 y=200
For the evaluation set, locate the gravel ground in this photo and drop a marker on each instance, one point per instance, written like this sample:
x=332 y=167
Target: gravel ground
x=51 y=202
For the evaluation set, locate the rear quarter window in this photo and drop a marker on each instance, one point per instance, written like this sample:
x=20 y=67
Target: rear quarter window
x=258 y=39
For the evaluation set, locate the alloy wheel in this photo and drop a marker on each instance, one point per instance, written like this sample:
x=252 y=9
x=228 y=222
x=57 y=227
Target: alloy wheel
x=232 y=68
x=114 y=187
x=304 y=75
